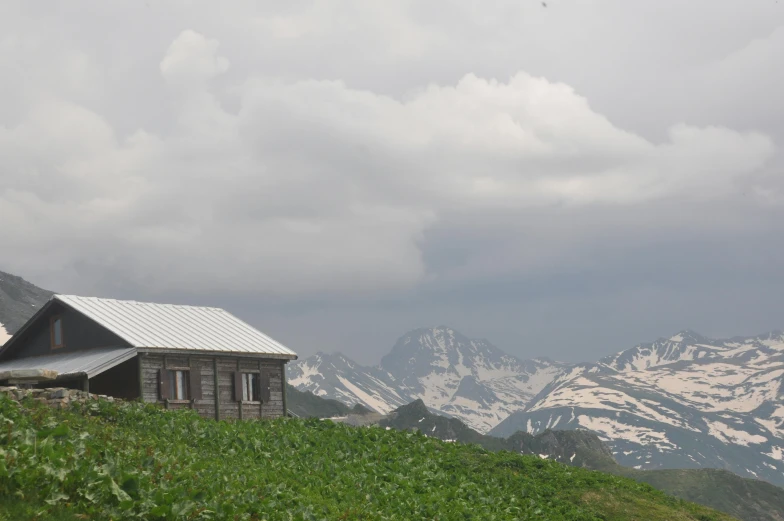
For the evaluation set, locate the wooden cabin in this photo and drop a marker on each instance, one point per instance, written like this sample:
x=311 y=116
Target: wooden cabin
x=178 y=356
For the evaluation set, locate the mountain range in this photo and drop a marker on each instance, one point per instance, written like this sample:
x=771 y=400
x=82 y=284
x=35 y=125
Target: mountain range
x=456 y=376
x=682 y=402
x=686 y=401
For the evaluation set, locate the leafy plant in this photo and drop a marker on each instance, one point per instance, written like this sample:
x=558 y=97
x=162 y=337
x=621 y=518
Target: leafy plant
x=135 y=461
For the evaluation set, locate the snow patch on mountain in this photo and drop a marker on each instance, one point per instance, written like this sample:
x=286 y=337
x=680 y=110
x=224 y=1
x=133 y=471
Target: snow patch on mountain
x=307 y=371
x=4 y=334
x=608 y=429
x=727 y=434
x=372 y=400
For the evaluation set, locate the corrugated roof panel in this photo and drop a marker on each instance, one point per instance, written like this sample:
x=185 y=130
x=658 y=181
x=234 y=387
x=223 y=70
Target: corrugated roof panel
x=90 y=362
x=168 y=326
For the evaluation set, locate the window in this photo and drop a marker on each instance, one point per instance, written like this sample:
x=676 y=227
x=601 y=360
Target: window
x=250 y=387
x=178 y=381
x=56 y=333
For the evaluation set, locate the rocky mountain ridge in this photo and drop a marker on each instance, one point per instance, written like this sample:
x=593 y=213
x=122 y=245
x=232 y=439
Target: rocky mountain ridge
x=454 y=375
x=682 y=402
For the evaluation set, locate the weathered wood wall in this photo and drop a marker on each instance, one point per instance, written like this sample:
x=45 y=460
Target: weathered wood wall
x=227 y=366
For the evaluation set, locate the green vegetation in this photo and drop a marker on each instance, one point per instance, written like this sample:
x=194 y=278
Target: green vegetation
x=134 y=461
x=746 y=499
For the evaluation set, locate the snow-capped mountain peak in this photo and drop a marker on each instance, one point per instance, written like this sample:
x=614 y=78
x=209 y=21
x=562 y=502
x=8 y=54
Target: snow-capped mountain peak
x=455 y=375
x=685 y=345
x=443 y=350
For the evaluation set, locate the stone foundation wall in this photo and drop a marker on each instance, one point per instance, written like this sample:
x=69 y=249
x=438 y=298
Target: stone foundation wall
x=55 y=397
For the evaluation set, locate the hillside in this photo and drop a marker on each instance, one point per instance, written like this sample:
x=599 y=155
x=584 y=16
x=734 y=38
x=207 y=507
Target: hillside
x=127 y=460
x=304 y=404
x=682 y=402
x=19 y=300
x=746 y=499
x=575 y=448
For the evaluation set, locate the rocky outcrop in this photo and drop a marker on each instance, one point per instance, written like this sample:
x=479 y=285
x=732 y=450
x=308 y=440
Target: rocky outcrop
x=58 y=397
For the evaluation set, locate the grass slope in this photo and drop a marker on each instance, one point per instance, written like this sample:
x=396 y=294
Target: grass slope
x=746 y=499
x=134 y=461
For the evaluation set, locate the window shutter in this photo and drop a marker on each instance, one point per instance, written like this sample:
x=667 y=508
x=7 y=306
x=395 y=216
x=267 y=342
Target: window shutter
x=163 y=384
x=237 y=386
x=264 y=381
x=195 y=383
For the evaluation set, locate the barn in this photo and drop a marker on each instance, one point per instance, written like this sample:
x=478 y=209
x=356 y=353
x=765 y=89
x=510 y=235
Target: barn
x=201 y=358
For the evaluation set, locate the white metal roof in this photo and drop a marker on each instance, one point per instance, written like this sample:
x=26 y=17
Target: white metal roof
x=167 y=326
x=90 y=362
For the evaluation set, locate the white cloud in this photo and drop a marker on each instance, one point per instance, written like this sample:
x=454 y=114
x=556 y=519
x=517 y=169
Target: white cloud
x=313 y=186
x=275 y=175
x=192 y=57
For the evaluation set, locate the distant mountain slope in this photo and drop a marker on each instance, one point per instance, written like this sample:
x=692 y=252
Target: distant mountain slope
x=305 y=404
x=456 y=376
x=576 y=448
x=683 y=402
x=746 y=499
x=19 y=300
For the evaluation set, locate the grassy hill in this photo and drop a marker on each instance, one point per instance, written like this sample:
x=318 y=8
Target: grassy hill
x=134 y=461
x=746 y=499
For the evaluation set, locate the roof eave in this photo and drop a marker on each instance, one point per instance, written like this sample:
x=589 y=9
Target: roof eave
x=95 y=371
x=203 y=352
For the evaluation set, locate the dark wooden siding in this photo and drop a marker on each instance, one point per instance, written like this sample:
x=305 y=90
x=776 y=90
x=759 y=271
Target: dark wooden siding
x=227 y=367
x=79 y=333
x=121 y=381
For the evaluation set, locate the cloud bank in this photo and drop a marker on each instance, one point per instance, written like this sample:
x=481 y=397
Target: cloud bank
x=250 y=159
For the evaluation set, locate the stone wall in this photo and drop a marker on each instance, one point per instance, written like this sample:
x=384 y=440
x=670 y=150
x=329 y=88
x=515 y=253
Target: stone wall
x=56 y=397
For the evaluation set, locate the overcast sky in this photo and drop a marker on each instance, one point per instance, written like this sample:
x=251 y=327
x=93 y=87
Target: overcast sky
x=564 y=181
